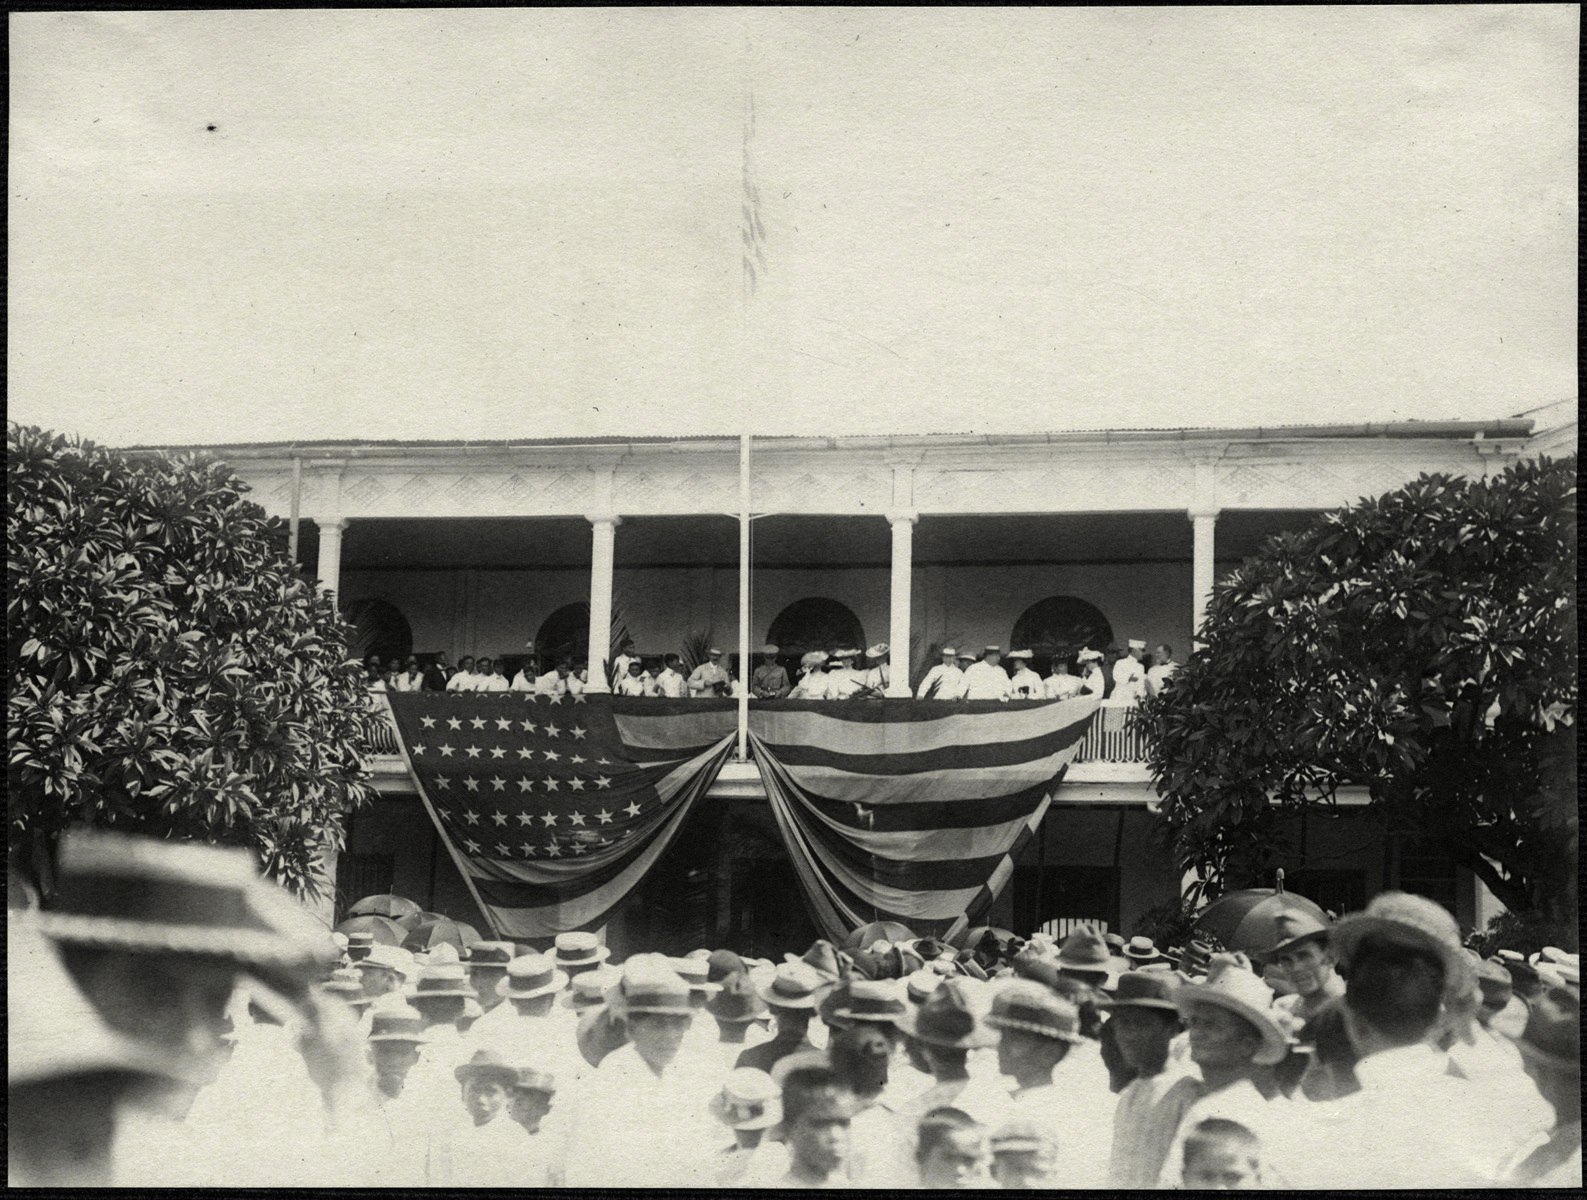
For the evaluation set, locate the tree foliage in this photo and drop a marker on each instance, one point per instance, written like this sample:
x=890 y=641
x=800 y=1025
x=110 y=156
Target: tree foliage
x=171 y=672
x=1421 y=644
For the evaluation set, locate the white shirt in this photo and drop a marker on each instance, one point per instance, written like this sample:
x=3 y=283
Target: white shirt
x=620 y=664
x=636 y=685
x=523 y=682
x=670 y=683
x=632 y=1128
x=705 y=676
x=983 y=681
x=410 y=683
x=1412 y=1125
x=494 y=682
x=1062 y=687
x=1158 y=675
x=1025 y=684
x=550 y=684
x=1241 y=1102
x=1093 y=683
x=1146 y=1117
x=811 y=686
x=948 y=680
x=1129 y=681
x=463 y=681
x=843 y=682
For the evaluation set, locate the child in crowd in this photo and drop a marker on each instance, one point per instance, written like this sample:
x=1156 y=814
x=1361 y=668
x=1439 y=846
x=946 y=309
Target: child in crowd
x=952 y=1150
x=1222 y=1155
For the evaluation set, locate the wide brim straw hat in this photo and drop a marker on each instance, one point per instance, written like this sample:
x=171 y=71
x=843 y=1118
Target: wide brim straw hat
x=749 y=1099
x=126 y=892
x=1234 y=988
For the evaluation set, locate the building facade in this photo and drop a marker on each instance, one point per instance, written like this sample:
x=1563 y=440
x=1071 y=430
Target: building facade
x=497 y=549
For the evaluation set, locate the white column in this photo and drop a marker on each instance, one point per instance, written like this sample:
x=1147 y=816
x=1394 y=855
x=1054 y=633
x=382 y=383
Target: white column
x=602 y=554
x=903 y=524
x=330 y=565
x=1201 y=567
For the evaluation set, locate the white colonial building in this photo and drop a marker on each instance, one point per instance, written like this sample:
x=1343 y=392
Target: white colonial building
x=476 y=548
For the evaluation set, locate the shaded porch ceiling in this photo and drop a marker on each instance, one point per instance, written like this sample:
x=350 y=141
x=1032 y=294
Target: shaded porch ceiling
x=794 y=541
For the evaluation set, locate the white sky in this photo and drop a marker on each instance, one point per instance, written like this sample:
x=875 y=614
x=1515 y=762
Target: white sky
x=508 y=224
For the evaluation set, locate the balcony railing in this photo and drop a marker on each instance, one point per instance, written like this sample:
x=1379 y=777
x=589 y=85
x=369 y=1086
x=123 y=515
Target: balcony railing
x=1115 y=735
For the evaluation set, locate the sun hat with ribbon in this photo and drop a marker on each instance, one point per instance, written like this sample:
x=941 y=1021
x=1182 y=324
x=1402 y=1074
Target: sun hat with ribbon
x=532 y=975
x=1031 y=1008
x=793 y=984
x=1141 y=949
x=1232 y=985
x=749 y=1099
x=947 y=1018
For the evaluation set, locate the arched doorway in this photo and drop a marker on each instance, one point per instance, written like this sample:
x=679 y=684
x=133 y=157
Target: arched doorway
x=815 y=623
x=1060 y=627
x=564 y=634
x=378 y=628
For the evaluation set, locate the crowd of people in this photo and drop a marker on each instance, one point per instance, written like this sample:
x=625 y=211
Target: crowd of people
x=174 y=1021
x=840 y=673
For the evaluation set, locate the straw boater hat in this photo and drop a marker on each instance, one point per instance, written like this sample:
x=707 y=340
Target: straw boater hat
x=580 y=950
x=532 y=975
x=947 y=1018
x=878 y=650
x=487 y=1064
x=347 y=983
x=794 y=984
x=124 y=892
x=1022 y=655
x=966 y=655
x=919 y=986
x=749 y=1099
x=388 y=958
x=1021 y=1135
x=1031 y=1008
x=443 y=980
x=947 y=650
x=1140 y=950
x=359 y=945
x=1231 y=984
x=397 y=1023
x=1136 y=644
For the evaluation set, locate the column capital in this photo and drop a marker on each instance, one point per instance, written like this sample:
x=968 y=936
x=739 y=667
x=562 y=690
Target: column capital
x=1203 y=513
x=336 y=523
x=604 y=518
x=903 y=514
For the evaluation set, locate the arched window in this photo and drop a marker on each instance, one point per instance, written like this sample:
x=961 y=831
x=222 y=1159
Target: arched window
x=1060 y=627
x=816 y=623
x=564 y=634
x=380 y=628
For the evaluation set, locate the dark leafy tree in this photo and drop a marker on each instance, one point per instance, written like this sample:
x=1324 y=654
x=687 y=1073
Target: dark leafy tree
x=170 y=671
x=1421 y=644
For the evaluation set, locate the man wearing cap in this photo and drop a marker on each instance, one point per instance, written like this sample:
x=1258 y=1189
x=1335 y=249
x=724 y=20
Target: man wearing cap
x=1144 y=1020
x=944 y=681
x=643 y=1118
x=1129 y=677
x=1407 y=984
x=1024 y=684
x=987 y=680
x=709 y=678
x=1300 y=949
x=770 y=680
x=1037 y=1030
x=1235 y=1031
